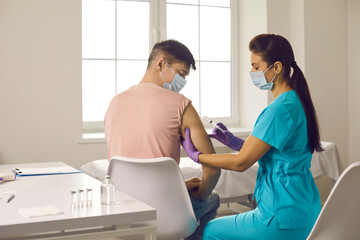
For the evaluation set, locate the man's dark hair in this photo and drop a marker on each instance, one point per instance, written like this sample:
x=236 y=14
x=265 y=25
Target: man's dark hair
x=173 y=51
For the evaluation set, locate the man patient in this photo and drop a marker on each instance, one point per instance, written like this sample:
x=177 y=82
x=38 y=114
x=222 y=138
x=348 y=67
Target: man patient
x=147 y=120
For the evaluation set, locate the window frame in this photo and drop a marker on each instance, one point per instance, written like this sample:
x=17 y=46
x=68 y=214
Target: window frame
x=157 y=32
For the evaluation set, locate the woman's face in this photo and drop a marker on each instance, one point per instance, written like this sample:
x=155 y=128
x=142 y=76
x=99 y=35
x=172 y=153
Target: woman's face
x=257 y=63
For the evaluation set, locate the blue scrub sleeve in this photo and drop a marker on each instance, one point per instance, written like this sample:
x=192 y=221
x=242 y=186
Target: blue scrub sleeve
x=274 y=126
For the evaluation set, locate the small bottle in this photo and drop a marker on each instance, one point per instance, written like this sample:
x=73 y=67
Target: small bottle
x=89 y=196
x=81 y=196
x=107 y=191
x=73 y=198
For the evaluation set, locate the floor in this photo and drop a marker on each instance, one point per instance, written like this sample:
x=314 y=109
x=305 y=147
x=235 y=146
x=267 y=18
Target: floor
x=231 y=208
x=224 y=210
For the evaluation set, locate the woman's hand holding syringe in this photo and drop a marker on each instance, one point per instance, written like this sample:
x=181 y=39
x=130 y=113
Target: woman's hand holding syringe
x=223 y=135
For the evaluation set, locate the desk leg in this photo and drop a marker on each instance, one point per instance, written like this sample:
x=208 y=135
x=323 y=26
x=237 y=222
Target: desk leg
x=149 y=232
x=151 y=235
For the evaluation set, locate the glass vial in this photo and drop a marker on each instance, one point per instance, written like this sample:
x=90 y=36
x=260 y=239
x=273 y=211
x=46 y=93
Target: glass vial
x=107 y=191
x=73 y=199
x=89 y=196
x=81 y=196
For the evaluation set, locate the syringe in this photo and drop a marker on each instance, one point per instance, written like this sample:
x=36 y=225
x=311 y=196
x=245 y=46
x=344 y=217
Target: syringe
x=212 y=123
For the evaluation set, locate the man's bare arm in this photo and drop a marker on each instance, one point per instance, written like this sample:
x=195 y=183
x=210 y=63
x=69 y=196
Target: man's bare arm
x=202 y=142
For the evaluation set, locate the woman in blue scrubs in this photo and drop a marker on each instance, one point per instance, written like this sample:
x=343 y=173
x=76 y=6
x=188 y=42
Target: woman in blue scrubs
x=282 y=141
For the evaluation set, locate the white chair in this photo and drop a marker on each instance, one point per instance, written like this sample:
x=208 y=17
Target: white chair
x=340 y=216
x=159 y=183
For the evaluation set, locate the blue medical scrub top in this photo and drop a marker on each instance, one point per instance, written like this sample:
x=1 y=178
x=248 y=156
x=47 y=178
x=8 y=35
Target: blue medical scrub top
x=285 y=189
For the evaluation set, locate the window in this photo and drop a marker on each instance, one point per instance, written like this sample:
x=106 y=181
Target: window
x=118 y=36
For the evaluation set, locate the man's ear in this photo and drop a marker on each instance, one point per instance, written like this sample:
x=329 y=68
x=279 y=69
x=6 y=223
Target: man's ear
x=160 y=63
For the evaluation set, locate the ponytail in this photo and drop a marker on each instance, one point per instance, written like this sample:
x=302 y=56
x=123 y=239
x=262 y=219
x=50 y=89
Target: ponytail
x=299 y=84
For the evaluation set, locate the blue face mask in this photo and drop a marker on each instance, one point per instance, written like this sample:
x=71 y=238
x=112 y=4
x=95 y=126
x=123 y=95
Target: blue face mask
x=176 y=84
x=259 y=80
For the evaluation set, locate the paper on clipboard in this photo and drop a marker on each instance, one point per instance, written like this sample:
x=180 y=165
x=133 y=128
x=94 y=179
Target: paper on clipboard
x=45 y=171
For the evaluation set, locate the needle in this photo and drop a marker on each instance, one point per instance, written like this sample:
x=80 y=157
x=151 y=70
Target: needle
x=212 y=123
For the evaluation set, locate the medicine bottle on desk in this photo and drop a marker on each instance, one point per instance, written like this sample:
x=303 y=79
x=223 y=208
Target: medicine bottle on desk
x=107 y=191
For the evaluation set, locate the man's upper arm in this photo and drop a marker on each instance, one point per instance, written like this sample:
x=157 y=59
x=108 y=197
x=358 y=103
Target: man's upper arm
x=199 y=136
x=202 y=142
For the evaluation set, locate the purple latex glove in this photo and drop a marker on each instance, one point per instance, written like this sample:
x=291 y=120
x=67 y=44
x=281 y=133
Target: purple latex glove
x=226 y=137
x=189 y=147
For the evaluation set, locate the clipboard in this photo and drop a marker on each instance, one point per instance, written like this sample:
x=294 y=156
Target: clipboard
x=22 y=172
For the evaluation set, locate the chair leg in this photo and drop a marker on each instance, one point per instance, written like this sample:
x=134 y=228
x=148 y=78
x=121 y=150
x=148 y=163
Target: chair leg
x=151 y=235
x=252 y=201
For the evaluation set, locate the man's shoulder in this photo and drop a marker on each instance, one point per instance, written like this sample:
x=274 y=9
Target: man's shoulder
x=152 y=92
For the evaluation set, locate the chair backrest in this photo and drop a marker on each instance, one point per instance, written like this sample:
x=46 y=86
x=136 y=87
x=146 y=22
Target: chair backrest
x=340 y=215
x=159 y=183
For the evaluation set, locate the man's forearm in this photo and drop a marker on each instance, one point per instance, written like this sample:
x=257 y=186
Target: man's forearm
x=209 y=180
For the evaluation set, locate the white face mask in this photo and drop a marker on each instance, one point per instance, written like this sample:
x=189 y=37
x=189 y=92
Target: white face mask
x=176 y=84
x=259 y=80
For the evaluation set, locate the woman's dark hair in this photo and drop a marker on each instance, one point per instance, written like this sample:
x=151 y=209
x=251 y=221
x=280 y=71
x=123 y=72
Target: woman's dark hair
x=273 y=48
x=174 y=51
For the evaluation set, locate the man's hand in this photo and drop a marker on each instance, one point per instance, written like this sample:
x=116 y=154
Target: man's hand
x=192 y=183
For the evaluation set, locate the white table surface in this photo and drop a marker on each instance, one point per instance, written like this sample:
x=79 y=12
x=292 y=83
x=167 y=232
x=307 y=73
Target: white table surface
x=231 y=184
x=38 y=191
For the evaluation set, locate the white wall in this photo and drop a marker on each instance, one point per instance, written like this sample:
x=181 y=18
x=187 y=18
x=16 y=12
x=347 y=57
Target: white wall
x=40 y=83
x=326 y=61
x=40 y=73
x=250 y=25
x=354 y=78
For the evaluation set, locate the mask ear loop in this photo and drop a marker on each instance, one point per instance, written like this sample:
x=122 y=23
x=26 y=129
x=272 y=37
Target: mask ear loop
x=269 y=67
x=267 y=70
x=273 y=78
x=162 y=76
x=170 y=68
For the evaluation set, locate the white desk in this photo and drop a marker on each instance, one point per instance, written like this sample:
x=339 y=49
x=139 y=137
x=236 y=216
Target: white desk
x=79 y=223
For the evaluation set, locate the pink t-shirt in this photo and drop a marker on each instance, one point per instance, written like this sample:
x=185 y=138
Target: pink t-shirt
x=144 y=122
